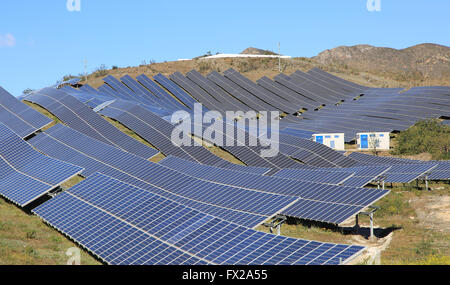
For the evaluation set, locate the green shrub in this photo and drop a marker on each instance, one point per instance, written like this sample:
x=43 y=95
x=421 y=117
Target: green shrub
x=425 y=136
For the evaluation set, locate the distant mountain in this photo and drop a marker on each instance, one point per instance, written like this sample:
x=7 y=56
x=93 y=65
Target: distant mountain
x=424 y=60
x=257 y=51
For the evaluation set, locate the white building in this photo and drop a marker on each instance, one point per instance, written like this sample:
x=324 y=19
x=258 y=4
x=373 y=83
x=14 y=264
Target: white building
x=373 y=140
x=334 y=141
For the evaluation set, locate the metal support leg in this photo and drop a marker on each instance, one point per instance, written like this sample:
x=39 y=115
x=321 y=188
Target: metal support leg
x=383 y=185
x=372 y=237
x=426 y=182
x=279 y=230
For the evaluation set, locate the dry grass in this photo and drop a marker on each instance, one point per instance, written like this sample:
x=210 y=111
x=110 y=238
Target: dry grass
x=26 y=240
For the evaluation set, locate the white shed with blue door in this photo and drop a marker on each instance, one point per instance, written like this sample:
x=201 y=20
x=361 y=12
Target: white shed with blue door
x=373 y=140
x=334 y=141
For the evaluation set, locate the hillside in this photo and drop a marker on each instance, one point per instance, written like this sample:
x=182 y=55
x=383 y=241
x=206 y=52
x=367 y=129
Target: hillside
x=425 y=64
x=420 y=62
x=257 y=51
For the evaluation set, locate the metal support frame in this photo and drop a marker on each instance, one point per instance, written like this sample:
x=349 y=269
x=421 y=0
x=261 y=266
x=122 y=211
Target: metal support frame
x=425 y=178
x=276 y=223
x=370 y=214
x=380 y=180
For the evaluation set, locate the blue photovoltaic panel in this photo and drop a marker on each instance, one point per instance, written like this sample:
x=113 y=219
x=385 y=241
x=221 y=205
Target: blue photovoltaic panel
x=80 y=117
x=408 y=172
x=175 y=90
x=25 y=174
x=314 y=175
x=405 y=170
x=19 y=117
x=122 y=224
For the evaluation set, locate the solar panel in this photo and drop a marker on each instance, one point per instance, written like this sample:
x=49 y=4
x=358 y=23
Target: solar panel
x=229 y=103
x=238 y=92
x=175 y=90
x=259 y=92
x=25 y=174
x=314 y=175
x=440 y=172
x=169 y=102
x=22 y=119
x=406 y=170
x=80 y=117
x=287 y=94
x=139 y=89
x=198 y=93
x=138 y=227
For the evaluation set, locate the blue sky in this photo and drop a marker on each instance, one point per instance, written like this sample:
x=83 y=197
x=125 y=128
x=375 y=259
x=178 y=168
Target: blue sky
x=41 y=41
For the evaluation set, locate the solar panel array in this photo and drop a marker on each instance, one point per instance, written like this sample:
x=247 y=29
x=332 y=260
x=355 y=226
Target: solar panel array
x=158 y=132
x=25 y=174
x=220 y=200
x=323 y=202
x=195 y=207
x=22 y=119
x=80 y=117
x=138 y=227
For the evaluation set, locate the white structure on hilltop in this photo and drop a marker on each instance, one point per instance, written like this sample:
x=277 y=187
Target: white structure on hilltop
x=373 y=140
x=335 y=141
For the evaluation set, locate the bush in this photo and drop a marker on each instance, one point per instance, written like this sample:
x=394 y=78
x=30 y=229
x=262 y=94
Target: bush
x=205 y=66
x=247 y=66
x=101 y=71
x=27 y=91
x=425 y=136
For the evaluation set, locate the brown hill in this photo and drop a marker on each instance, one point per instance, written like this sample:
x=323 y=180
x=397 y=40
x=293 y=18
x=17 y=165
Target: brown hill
x=420 y=62
x=257 y=51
